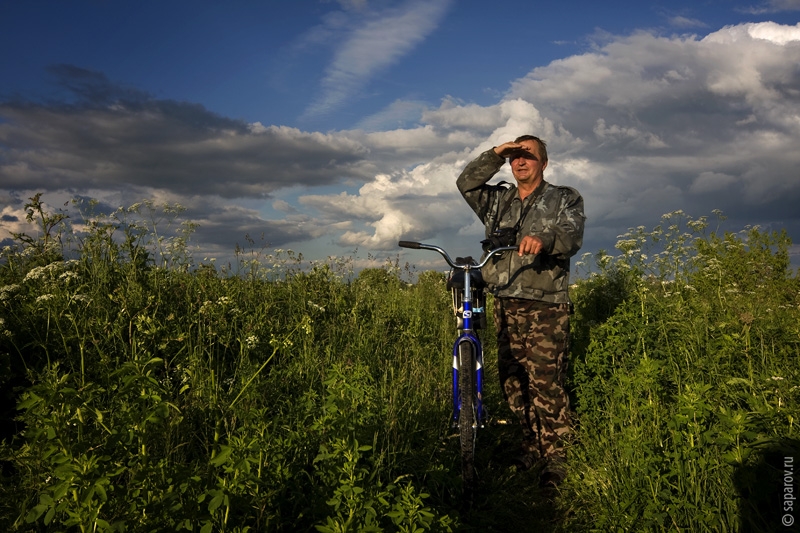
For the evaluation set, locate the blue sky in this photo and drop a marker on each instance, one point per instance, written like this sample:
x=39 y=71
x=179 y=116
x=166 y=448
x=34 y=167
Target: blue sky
x=333 y=126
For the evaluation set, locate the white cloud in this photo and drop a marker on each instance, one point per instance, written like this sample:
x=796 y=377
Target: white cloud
x=767 y=31
x=685 y=22
x=628 y=135
x=376 y=43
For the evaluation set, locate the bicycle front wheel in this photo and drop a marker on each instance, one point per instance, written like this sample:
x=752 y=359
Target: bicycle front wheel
x=467 y=422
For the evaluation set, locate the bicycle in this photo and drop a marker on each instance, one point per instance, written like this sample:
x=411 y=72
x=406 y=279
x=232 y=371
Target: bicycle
x=468 y=290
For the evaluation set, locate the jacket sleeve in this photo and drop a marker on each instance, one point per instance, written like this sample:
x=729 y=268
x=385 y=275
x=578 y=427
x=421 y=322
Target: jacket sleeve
x=472 y=183
x=564 y=237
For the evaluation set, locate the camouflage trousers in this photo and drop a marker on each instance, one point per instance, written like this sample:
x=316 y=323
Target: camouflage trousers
x=532 y=346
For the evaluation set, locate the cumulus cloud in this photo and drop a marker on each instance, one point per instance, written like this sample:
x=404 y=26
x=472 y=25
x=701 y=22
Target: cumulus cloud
x=641 y=125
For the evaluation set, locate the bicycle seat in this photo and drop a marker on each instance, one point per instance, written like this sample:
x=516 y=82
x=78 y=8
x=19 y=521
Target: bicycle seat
x=456 y=281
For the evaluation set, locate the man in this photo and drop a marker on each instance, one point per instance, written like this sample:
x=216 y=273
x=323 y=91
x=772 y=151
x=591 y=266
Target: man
x=530 y=286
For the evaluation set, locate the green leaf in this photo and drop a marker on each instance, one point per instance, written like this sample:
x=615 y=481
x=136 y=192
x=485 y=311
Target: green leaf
x=101 y=491
x=49 y=516
x=222 y=457
x=215 y=502
x=34 y=514
x=30 y=401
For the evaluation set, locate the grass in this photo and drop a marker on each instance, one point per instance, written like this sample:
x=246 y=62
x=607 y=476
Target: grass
x=144 y=392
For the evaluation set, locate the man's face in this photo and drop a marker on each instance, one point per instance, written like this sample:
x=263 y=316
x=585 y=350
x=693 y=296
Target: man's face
x=527 y=165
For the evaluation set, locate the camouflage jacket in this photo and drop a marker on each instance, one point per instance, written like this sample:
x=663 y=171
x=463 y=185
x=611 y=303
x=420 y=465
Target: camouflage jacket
x=556 y=216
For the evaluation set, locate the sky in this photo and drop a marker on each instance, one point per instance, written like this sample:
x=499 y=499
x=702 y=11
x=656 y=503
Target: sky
x=336 y=128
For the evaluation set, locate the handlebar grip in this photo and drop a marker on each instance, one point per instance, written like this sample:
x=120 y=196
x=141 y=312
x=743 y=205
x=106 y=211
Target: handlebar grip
x=409 y=244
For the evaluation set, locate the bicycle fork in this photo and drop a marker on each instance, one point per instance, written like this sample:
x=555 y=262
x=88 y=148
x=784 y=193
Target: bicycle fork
x=459 y=366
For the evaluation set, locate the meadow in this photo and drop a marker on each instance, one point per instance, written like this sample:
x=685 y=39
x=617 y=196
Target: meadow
x=144 y=390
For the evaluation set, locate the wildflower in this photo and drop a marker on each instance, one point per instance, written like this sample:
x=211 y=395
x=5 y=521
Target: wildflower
x=35 y=274
x=315 y=306
x=278 y=344
x=306 y=325
x=44 y=298
x=251 y=341
x=7 y=290
x=223 y=300
x=68 y=276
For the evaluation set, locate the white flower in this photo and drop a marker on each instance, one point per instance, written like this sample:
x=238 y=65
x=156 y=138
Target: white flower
x=315 y=306
x=68 y=276
x=34 y=274
x=251 y=341
x=6 y=290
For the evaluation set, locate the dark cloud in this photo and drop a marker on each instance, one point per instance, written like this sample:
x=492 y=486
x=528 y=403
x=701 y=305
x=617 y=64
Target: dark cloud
x=227 y=226
x=116 y=138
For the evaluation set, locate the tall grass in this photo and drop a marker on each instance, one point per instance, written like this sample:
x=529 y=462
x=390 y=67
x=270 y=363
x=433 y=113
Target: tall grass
x=686 y=382
x=145 y=392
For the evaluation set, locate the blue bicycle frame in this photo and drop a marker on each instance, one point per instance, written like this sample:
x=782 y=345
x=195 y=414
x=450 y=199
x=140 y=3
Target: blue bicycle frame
x=468 y=335
x=466 y=327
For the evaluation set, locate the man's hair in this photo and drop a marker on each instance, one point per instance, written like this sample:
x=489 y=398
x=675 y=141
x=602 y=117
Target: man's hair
x=541 y=143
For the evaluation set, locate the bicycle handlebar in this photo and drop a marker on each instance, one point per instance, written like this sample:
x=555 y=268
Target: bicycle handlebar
x=420 y=246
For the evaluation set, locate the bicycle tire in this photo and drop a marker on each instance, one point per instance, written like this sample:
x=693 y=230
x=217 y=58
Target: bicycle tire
x=467 y=423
